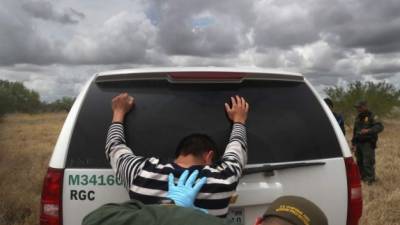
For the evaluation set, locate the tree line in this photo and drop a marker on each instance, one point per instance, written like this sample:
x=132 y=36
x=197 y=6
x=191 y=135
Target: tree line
x=383 y=99
x=15 y=97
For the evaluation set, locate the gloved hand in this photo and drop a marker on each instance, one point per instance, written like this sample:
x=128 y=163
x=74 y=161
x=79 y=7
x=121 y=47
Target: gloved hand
x=185 y=193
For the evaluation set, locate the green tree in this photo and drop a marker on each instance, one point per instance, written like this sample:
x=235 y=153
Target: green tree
x=15 y=97
x=382 y=97
x=5 y=102
x=63 y=104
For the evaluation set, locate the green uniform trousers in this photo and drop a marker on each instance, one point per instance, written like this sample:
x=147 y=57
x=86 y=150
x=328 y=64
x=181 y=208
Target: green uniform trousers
x=136 y=213
x=365 y=154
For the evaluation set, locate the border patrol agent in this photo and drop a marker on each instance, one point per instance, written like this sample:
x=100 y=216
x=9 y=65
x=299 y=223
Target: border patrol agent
x=365 y=136
x=286 y=210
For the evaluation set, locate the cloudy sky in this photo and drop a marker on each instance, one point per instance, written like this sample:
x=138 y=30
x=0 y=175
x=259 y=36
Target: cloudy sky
x=53 y=47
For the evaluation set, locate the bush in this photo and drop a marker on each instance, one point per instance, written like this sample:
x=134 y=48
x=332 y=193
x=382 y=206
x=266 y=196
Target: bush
x=63 y=104
x=15 y=97
x=4 y=102
x=383 y=98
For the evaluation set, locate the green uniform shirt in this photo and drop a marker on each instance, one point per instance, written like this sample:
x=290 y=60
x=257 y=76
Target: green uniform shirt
x=136 y=213
x=366 y=120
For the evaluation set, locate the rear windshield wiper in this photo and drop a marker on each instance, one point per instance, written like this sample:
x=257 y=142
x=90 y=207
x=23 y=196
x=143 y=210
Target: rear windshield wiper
x=268 y=170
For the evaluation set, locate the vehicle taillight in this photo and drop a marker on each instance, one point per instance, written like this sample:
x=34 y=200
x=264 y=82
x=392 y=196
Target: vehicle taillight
x=206 y=76
x=354 y=209
x=51 y=210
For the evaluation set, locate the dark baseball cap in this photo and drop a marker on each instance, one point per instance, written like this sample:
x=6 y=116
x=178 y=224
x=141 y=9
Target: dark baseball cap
x=296 y=210
x=360 y=103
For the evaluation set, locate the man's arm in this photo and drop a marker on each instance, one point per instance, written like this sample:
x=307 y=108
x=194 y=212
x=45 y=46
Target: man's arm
x=124 y=163
x=235 y=155
x=376 y=126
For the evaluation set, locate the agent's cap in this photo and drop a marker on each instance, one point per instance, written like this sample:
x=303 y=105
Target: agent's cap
x=296 y=210
x=360 y=103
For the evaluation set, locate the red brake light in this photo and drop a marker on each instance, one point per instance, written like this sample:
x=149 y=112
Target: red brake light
x=51 y=204
x=354 y=209
x=206 y=76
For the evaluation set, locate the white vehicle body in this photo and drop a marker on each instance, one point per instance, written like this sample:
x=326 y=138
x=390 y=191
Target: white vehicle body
x=327 y=183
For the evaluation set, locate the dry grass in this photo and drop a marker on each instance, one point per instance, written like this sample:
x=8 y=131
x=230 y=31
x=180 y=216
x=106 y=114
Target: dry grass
x=382 y=200
x=26 y=143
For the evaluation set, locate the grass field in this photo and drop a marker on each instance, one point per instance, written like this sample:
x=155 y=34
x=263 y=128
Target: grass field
x=26 y=143
x=382 y=200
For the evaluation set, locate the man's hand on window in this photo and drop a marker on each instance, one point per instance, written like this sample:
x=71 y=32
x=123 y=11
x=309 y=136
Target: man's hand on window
x=237 y=111
x=121 y=105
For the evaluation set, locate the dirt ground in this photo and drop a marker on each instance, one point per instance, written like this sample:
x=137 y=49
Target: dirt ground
x=26 y=143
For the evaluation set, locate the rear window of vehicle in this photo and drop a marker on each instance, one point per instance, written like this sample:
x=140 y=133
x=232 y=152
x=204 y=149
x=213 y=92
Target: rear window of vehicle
x=286 y=122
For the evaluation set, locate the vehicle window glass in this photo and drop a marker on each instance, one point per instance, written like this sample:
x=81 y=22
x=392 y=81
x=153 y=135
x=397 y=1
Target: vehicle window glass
x=286 y=122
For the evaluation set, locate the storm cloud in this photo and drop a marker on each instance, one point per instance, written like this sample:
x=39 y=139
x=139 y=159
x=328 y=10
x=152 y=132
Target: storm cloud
x=64 y=42
x=203 y=28
x=45 y=10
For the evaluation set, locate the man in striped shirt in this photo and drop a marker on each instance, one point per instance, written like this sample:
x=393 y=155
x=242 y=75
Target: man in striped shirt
x=147 y=178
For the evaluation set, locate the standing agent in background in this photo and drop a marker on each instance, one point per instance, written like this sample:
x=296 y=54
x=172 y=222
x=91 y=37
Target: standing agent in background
x=365 y=136
x=339 y=117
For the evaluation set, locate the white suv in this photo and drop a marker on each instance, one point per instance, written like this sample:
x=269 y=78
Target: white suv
x=295 y=145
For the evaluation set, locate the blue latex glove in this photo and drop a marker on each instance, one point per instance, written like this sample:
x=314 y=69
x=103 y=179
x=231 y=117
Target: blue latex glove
x=184 y=193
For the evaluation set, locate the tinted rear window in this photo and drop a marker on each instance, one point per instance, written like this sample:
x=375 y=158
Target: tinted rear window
x=286 y=122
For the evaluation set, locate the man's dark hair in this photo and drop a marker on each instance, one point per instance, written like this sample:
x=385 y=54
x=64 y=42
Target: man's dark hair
x=329 y=102
x=196 y=144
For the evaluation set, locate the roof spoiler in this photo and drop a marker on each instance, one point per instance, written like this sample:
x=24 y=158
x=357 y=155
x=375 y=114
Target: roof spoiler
x=204 y=75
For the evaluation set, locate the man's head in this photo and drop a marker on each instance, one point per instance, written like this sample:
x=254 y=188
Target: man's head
x=293 y=210
x=329 y=102
x=196 y=147
x=361 y=106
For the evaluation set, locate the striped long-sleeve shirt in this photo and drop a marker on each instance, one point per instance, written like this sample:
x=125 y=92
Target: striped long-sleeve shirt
x=147 y=178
